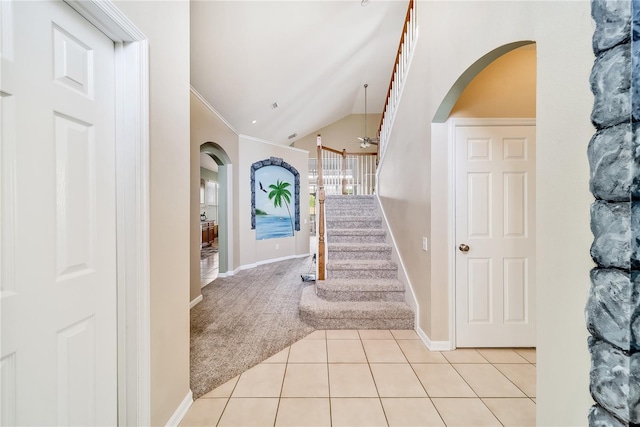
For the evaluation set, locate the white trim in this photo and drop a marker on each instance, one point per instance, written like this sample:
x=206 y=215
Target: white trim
x=451 y=184
x=230 y=273
x=468 y=121
x=181 y=410
x=451 y=231
x=208 y=283
x=132 y=200
x=109 y=19
x=413 y=300
x=230 y=225
x=213 y=110
x=252 y=138
x=258 y=263
x=434 y=345
x=270 y=261
x=196 y=300
x=284 y=258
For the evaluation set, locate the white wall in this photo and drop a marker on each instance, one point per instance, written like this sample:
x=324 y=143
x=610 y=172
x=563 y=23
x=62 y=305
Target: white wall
x=255 y=251
x=453 y=35
x=166 y=24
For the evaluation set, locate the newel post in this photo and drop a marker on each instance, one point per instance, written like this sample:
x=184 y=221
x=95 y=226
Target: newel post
x=320 y=191
x=344 y=171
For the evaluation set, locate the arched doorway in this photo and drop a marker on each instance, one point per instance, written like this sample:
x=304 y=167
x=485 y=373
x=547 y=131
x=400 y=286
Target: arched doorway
x=486 y=116
x=224 y=218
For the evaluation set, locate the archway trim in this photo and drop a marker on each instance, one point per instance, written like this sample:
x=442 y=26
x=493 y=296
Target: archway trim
x=450 y=99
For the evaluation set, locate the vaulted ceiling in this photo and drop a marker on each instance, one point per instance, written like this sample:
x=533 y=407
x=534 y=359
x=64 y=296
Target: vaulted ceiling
x=312 y=58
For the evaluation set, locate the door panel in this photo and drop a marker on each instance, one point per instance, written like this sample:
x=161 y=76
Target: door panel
x=59 y=348
x=495 y=217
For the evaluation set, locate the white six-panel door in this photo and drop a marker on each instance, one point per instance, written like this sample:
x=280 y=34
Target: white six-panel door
x=495 y=236
x=58 y=294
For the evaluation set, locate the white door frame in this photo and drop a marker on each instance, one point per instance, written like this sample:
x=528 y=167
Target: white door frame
x=451 y=215
x=132 y=201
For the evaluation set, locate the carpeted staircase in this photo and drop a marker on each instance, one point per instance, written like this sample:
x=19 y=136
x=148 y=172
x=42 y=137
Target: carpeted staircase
x=362 y=290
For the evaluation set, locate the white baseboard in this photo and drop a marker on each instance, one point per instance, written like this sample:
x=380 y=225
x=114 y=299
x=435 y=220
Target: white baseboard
x=195 y=301
x=284 y=258
x=270 y=261
x=434 y=345
x=181 y=410
x=257 y=263
x=411 y=298
x=229 y=273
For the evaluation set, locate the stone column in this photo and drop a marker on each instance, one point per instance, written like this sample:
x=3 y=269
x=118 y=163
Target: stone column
x=613 y=310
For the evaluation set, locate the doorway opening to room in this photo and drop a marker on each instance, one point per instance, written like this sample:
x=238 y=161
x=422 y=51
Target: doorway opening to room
x=215 y=220
x=209 y=219
x=490 y=121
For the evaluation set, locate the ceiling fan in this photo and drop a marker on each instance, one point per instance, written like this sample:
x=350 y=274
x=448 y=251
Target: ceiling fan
x=366 y=142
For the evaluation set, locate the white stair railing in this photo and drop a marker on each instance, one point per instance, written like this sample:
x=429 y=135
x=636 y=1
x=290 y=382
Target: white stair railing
x=399 y=75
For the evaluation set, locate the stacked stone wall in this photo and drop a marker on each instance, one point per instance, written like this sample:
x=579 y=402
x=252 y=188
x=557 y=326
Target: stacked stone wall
x=613 y=309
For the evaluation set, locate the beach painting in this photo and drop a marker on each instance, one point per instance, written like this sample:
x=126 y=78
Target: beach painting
x=275 y=203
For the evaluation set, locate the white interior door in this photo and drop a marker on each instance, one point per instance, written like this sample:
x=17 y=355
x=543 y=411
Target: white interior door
x=495 y=236
x=58 y=294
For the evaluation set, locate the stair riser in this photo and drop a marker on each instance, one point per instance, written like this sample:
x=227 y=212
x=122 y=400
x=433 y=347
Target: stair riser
x=351 y=224
x=360 y=255
x=360 y=296
x=356 y=239
x=362 y=274
x=392 y=324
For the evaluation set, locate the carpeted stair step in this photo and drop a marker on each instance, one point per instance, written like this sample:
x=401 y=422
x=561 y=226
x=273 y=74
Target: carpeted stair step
x=350 y=201
x=323 y=314
x=354 y=222
x=361 y=290
x=346 y=235
x=361 y=251
x=356 y=269
x=340 y=211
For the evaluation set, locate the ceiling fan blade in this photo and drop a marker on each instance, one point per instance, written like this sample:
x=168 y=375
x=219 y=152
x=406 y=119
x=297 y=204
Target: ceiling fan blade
x=361 y=139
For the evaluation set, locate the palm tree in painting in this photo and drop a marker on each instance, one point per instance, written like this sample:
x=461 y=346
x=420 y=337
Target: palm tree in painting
x=279 y=194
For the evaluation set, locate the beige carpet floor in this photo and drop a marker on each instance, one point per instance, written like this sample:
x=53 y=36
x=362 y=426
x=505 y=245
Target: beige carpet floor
x=245 y=319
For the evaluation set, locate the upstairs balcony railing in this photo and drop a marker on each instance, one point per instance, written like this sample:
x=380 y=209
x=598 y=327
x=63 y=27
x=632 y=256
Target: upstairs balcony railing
x=344 y=172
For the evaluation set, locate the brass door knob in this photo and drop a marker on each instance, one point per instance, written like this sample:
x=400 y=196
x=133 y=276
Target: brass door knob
x=464 y=248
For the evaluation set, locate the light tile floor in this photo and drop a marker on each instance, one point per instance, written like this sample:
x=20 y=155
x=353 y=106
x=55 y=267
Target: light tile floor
x=375 y=378
x=209 y=267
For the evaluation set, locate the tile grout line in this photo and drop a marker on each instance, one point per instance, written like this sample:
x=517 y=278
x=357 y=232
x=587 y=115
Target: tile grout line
x=286 y=367
x=509 y=379
x=228 y=400
x=374 y=378
x=326 y=344
x=480 y=398
x=423 y=387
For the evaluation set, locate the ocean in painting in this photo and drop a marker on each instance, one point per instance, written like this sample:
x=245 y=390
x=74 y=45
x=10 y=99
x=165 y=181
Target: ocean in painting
x=272 y=226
